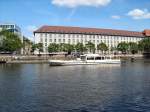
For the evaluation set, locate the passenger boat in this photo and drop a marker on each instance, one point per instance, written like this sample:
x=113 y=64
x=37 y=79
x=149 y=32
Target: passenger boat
x=86 y=59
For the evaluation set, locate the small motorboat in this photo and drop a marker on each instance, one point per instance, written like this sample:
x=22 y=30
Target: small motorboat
x=86 y=59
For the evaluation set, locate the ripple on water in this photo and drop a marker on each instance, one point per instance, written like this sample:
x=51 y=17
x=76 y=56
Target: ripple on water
x=103 y=88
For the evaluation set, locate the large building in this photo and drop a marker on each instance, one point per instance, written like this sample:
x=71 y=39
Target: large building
x=74 y=35
x=11 y=27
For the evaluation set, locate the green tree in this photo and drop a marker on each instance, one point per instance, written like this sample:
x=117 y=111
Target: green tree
x=34 y=47
x=102 y=47
x=70 y=48
x=141 y=46
x=1 y=42
x=66 y=48
x=27 y=46
x=53 y=47
x=80 y=47
x=10 y=42
x=90 y=46
x=133 y=47
x=113 y=48
x=26 y=42
x=144 y=45
x=62 y=47
x=40 y=47
x=123 y=47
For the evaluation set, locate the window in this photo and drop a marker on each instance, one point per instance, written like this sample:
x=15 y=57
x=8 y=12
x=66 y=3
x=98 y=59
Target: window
x=108 y=58
x=102 y=58
x=50 y=35
x=82 y=36
x=64 y=40
x=45 y=44
x=90 y=58
x=58 y=35
x=83 y=58
x=12 y=26
x=50 y=40
x=69 y=40
x=45 y=39
x=41 y=39
x=98 y=58
x=46 y=35
x=93 y=36
x=59 y=40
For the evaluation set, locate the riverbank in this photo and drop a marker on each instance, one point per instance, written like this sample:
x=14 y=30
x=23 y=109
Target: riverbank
x=44 y=59
x=27 y=62
x=31 y=59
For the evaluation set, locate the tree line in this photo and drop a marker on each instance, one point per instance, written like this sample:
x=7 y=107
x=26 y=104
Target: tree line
x=64 y=47
x=142 y=46
x=124 y=47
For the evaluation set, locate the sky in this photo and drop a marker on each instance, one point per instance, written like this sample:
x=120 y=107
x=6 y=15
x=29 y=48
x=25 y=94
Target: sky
x=110 y=14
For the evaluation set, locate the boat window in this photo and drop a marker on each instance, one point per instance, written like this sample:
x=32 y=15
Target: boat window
x=102 y=58
x=108 y=57
x=90 y=58
x=83 y=58
x=98 y=58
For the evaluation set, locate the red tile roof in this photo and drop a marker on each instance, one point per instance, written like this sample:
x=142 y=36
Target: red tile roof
x=79 y=30
x=146 y=33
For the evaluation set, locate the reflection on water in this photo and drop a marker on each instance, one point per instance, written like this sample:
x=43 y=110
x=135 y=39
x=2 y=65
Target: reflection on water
x=101 y=88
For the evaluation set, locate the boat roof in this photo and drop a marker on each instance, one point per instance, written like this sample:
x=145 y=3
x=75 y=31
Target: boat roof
x=91 y=55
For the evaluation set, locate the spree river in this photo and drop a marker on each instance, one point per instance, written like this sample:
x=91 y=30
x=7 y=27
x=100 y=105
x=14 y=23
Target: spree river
x=98 y=88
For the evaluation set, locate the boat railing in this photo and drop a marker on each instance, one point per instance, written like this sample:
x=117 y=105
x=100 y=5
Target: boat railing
x=96 y=57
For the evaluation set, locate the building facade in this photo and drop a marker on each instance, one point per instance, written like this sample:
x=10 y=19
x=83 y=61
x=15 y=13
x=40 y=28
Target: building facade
x=11 y=27
x=74 y=35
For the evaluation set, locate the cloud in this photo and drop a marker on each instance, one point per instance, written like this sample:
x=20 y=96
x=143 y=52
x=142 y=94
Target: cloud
x=77 y=3
x=115 y=17
x=31 y=28
x=139 y=14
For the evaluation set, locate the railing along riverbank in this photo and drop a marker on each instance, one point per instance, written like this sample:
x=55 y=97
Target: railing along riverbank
x=32 y=58
x=44 y=59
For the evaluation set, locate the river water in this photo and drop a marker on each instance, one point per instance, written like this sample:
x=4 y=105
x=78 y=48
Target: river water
x=98 y=88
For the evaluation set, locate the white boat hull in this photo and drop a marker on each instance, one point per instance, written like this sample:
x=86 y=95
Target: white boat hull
x=75 y=62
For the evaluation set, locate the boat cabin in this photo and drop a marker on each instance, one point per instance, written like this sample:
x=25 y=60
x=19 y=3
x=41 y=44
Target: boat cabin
x=91 y=57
